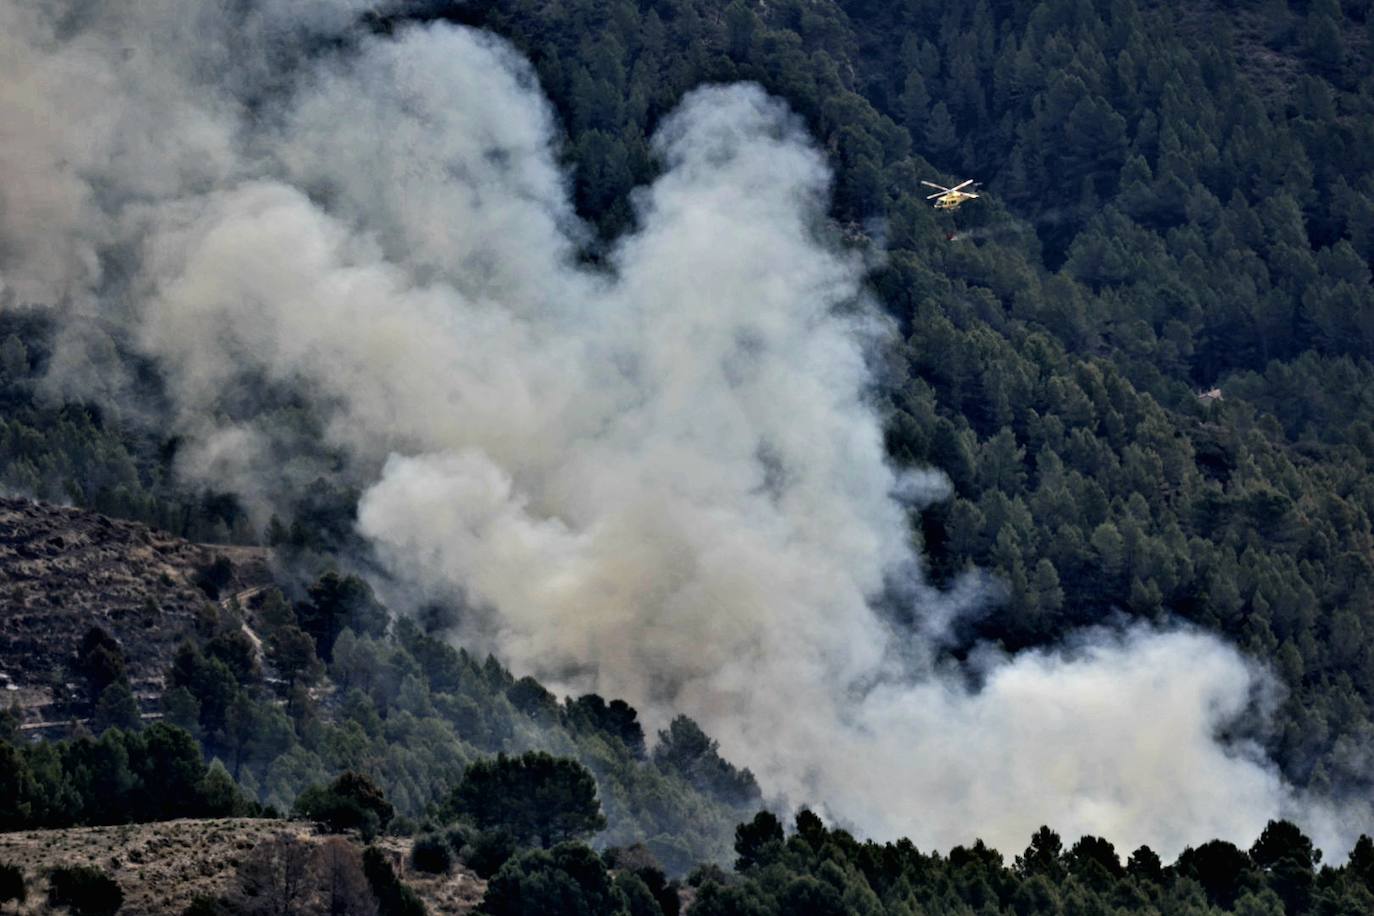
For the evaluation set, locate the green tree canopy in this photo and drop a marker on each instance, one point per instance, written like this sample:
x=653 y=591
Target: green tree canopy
x=351 y=802
x=569 y=880
x=537 y=797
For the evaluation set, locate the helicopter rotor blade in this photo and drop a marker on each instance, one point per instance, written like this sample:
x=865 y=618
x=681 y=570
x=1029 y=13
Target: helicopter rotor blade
x=931 y=184
x=958 y=186
x=936 y=194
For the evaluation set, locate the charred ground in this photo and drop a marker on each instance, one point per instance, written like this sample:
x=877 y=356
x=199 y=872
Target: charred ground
x=66 y=570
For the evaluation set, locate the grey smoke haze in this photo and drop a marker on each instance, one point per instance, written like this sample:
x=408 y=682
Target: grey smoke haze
x=663 y=480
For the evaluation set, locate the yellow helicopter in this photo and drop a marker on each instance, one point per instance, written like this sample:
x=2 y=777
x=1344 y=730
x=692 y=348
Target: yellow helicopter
x=950 y=198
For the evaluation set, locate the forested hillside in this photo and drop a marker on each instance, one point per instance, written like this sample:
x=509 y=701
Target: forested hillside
x=284 y=696
x=1176 y=202
x=1144 y=357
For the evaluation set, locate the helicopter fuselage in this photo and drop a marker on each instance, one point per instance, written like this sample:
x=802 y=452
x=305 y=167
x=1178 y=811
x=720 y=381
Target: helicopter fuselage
x=951 y=201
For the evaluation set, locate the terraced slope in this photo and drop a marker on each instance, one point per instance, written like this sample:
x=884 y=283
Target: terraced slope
x=65 y=570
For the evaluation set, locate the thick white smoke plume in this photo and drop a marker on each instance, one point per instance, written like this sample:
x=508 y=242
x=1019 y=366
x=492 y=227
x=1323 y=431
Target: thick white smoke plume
x=660 y=481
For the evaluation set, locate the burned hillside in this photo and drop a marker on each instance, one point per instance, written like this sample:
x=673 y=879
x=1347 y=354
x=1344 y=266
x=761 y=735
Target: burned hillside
x=64 y=571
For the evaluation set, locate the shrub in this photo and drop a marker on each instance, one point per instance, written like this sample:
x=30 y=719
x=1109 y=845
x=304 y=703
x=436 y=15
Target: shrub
x=215 y=577
x=393 y=897
x=351 y=802
x=12 y=884
x=431 y=853
x=402 y=826
x=459 y=835
x=488 y=851
x=86 y=891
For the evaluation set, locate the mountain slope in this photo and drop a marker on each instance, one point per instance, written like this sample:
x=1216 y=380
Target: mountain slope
x=161 y=867
x=66 y=570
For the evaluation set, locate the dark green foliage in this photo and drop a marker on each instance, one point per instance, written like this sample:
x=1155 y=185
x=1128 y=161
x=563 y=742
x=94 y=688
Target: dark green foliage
x=757 y=840
x=1036 y=894
x=414 y=711
x=215 y=577
x=686 y=750
x=209 y=681
x=236 y=651
x=720 y=900
x=617 y=720
x=99 y=660
x=487 y=850
x=14 y=359
x=393 y=897
x=664 y=891
x=431 y=853
x=350 y=802
x=273 y=612
x=116 y=708
x=568 y=879
x=638 y=899
x=810 y=828
x=292 y=652
x=122 y=777
x=401 y=825
x=1223 y=870
x=810 y=895
x=17 y=788
x=821 y=870
x=10 y=720
x=1144 y=866
x=1287 y=858
x=638 y=863
x=538 y=798
x=219 y=699
x=169 y=771
x=85 y=891
x=338 y=603
x=1361 y=865
x=325 y=516
x=12 y=886
x=1280 y=842
x=1044 y=855
x=1094 y=861
x=531 y=698
x=219 y=793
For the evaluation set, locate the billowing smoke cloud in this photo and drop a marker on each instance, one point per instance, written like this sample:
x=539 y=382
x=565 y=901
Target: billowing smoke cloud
x=660 y=481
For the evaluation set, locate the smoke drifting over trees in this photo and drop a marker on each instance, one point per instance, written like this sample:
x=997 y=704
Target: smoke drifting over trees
x=660 y=480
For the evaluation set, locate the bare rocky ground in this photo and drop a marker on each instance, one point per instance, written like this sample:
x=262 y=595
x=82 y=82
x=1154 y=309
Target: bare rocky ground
x=161 y=867
x=64 y=570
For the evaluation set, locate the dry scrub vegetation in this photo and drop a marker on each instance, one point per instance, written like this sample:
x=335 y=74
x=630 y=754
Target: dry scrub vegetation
x=161 y=867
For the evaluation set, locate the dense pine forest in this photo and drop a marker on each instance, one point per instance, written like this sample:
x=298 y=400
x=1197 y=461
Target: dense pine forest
x=1144 y=357
x=1177 y=202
